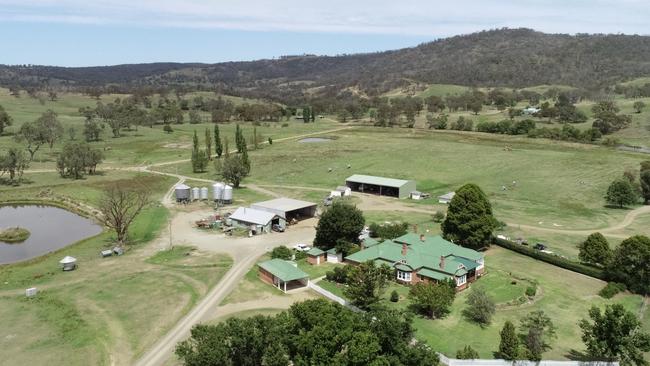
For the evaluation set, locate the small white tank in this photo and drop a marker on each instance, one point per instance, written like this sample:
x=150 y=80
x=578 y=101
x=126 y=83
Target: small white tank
x=204 y=193
x=196 y=193
x=217 y=191
x=227 y=194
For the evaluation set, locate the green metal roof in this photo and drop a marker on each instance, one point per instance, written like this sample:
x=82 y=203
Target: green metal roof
x=433 y=274
x=315 y=252
x=420 y=254
x=331 y=251
x=369 y=242
x=378 y=181
x=438 y=242
x=284 y=270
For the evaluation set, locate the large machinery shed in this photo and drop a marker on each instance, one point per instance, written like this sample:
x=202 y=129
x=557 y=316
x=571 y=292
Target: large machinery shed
x=381 y=186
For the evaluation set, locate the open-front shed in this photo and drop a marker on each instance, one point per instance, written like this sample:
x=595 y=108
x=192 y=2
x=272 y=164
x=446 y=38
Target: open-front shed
x=382 y=186
x=284 y=275
x=288 y=208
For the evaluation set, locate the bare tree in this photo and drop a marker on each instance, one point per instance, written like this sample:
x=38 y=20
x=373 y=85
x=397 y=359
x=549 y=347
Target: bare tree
x=120 y=206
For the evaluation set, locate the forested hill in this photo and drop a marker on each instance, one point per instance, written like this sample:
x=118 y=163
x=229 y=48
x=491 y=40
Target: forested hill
x=504 y=57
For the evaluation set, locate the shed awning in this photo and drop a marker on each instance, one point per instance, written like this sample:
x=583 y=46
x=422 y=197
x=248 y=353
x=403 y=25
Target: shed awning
x=378 y=181
x=284 y=270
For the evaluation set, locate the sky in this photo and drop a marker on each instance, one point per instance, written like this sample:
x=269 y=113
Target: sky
x=108 y=32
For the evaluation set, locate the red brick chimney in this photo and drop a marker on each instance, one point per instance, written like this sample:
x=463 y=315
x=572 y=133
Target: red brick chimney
x=442 y=262
x=405 y=248
x=422 y=238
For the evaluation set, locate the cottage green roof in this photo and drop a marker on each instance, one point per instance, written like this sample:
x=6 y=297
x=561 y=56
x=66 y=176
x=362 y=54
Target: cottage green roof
x=284 y=270
x=421 y=254
x=315 y=252
x=331 y=251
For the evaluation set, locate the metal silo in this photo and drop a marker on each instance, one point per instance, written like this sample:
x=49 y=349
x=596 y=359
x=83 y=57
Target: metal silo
x=227 y=194
x=196 y=193
x=182 y=193
x=204 y=193
x=217 y=191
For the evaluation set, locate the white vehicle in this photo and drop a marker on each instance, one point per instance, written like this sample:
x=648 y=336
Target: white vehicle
x=301 y=247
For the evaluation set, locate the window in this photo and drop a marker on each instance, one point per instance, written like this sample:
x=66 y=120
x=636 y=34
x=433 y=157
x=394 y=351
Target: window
x=404 y=276
x=461 y=280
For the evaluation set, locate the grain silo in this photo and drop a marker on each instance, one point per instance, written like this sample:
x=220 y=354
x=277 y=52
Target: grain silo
x=204 y=193
x=217 y=191
x=227 y=194
x=196 y=193
x=182 y=193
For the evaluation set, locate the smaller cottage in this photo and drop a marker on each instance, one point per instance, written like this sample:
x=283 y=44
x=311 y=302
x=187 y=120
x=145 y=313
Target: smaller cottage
x=446 y=198
x=316 y=256
x=285 y=275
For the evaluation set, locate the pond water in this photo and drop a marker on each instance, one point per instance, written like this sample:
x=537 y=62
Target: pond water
x=51 y=228
x=314 y=139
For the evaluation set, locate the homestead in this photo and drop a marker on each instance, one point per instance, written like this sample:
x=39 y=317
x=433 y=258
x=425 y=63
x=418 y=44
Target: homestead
x=288 y=209
x=257 y=221
x=381 y=186
x=284 y=275
x=424 y=259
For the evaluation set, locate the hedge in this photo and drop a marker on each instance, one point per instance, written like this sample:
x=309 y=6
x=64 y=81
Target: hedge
x=552 y=259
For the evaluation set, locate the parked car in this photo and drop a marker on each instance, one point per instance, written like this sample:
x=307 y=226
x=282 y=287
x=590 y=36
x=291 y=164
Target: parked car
x=302 y=247
x=277 y=228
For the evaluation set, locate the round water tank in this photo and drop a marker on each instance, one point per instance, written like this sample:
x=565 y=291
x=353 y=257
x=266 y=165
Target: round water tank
x=204 y=193
x=182 y=192
x=217 y=191
x=196 y=193
x=227 y=193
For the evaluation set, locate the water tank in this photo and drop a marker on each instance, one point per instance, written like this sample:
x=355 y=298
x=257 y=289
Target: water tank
x=204 y=193
x=196 y=193
x=217 y=191
x=182 y=192
x=227 y=194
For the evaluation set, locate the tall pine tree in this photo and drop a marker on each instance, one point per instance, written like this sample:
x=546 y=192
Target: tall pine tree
x=195 y=153
x=218 y=148
x=208 y=144
x=509 y=346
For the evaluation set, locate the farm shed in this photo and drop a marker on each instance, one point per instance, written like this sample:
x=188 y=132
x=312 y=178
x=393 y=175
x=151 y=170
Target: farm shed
x=446 y=198
x=382 y=186
x=284 y=275
x=288 y=208
x=341 y=191
x=257 y=220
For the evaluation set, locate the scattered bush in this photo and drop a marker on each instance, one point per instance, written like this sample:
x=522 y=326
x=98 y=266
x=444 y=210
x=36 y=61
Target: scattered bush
x=394 y=296
x=285 y=125
x=531 y=290
x=438 y=217
x=338 y=274
x=281 y=252
x=300 y=255
x=611 y=289
x=270 y=141
x=388 y=231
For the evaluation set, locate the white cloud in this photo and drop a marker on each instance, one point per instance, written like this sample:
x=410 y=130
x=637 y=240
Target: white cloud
x=408 y=17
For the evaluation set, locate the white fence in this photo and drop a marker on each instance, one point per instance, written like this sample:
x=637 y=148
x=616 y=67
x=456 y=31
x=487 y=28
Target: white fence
x=454 y=362
x=332 y=297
